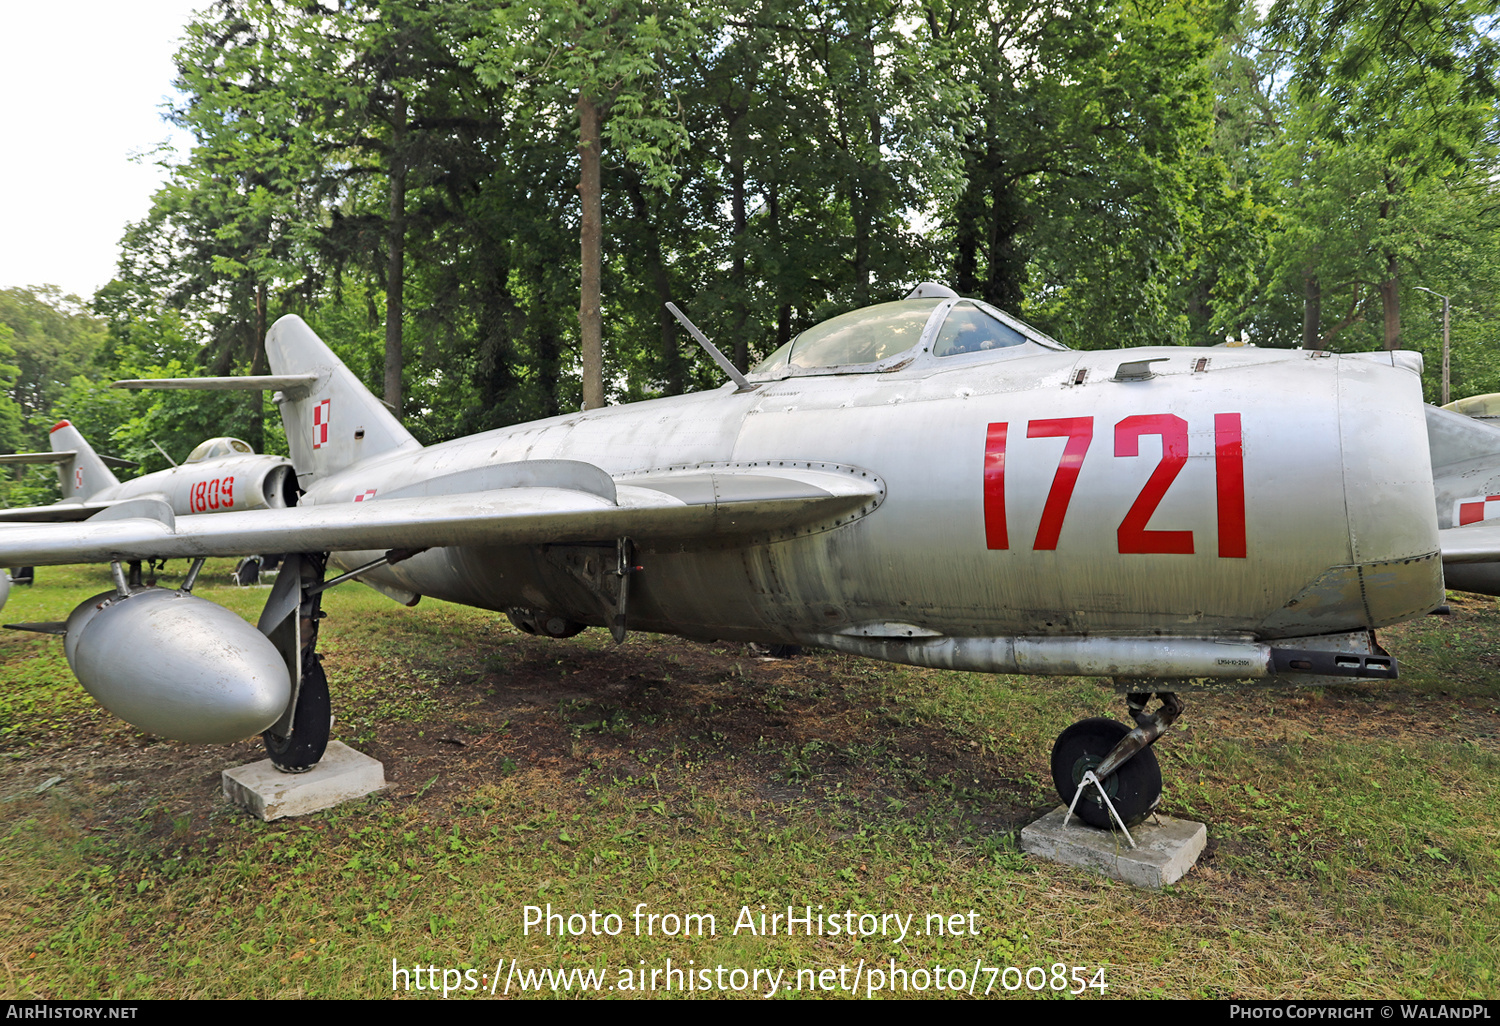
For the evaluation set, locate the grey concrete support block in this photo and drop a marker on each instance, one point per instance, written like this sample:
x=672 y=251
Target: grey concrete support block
x=263 y=790
x=1168 y=847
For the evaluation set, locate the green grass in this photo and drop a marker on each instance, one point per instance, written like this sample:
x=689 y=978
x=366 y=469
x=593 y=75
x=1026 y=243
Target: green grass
x=1353 y=831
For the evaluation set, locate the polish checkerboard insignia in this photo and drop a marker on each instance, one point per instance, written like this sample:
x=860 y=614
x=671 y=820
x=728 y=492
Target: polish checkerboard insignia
x=1472 y=511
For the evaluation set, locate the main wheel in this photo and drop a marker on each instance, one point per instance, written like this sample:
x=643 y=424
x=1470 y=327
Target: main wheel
x=301 y=752
x=1134 y=788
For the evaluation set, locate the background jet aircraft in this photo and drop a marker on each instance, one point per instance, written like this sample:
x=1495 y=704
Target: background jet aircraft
x=220 y=475
x=928 y=481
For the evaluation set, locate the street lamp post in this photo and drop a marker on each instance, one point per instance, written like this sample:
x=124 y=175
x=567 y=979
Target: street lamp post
x=1445 y=340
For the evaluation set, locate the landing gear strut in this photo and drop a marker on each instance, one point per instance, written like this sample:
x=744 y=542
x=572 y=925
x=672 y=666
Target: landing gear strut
x=1120 y=757
x=296 y=742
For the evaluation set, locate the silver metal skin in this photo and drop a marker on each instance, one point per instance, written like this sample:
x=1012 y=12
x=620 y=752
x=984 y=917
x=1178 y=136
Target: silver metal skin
x=1465 y=452
x=177 y=666
x=961 y=491
x=239 y=479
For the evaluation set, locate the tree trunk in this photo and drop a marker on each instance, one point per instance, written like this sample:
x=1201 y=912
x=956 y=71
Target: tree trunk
x=673 y=366
x=1390 y=303
x=395 y=265
x=1006 y=276
x=737 y=271
x=1312 y=311
x=590 y=317
x=1390 y=296
x=259 y=365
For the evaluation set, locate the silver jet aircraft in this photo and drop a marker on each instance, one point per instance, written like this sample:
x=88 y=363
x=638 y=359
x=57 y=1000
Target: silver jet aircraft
x=929 y=481
x=220 y=474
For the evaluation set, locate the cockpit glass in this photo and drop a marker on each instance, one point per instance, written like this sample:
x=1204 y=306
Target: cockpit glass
x=860 y=337
x=968 y=329
x=217 y=448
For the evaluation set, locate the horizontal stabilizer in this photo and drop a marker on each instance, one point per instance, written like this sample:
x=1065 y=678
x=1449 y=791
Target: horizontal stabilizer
x=1477 y=543
x=38 y=457
x=713 y=505
x=62 y=457
x=239 y=383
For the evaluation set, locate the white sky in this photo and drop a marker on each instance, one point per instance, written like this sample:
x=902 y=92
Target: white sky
x=81 y=89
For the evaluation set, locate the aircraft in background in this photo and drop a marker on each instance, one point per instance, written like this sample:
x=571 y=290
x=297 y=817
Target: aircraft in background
x=929 y=481
x=219 y=475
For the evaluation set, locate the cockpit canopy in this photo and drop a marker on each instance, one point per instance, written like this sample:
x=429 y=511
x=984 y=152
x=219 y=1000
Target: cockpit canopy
x=890 y=336
x=217 y=448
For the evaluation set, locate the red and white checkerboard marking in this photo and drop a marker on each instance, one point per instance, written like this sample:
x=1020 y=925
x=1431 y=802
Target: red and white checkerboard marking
x=320 y=424
x=1472 y=511
x=368 y=493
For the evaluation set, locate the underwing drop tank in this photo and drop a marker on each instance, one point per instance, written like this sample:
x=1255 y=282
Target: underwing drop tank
x=177 y=666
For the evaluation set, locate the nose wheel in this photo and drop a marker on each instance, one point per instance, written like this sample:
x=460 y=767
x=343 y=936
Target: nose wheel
x=1120 y=757
x=1134 y=788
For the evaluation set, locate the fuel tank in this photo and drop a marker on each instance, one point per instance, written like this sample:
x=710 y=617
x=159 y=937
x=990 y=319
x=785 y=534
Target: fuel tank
x=177 y=666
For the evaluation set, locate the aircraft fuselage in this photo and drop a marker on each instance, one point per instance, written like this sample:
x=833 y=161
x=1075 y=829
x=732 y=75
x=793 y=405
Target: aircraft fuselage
x=1212 y=492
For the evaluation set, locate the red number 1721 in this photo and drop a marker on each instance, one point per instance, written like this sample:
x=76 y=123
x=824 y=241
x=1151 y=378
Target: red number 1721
x=1133 y=536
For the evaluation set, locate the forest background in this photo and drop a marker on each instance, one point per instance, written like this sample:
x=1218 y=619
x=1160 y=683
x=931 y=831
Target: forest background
x=483 y=205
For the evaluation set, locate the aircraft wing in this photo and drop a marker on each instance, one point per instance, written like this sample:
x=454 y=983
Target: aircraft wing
x=57 y=513
x=694 y=504
x=1477 y=543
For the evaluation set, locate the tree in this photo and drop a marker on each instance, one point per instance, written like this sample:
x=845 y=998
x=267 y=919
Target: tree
x=1390 y=110
x=1095 y=201
x=602 y=60
x=51 y=340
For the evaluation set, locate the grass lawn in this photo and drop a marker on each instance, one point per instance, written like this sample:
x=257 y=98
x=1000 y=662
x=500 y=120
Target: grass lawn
x=1354 y=832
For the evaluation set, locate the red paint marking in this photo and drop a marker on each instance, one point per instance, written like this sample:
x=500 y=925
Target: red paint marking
x=995 y=534
x=1079 y=432
x=320 y=423
x=1470 y=513
x=215 y=493
x=59 y=426
x=1229 y=477
x=1491 y=498
x=1132 y=534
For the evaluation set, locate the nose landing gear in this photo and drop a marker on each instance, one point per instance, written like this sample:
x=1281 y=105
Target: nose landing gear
x=1119 y=757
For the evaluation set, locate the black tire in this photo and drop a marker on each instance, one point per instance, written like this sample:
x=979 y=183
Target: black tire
x=1134 y=788
x=247 y=573
x=301 y=752
x=785 y=651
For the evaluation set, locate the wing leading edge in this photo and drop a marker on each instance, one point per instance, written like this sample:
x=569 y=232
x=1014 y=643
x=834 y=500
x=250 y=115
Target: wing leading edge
x=687 y=505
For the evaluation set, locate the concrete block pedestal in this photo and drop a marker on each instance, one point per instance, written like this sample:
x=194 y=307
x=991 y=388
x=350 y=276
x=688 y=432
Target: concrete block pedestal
x=263 y=790
x=1168 y=847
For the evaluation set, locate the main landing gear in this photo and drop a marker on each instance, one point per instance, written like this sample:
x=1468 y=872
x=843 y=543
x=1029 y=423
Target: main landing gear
x=297 y=740
x=1120 y=758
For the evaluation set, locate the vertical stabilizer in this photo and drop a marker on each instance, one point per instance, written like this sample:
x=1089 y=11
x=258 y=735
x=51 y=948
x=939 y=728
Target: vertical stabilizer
x=85 y=473
x=334 y=422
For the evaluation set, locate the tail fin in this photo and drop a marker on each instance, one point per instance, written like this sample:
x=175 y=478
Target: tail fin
x=334 y=422
x=83 y=474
